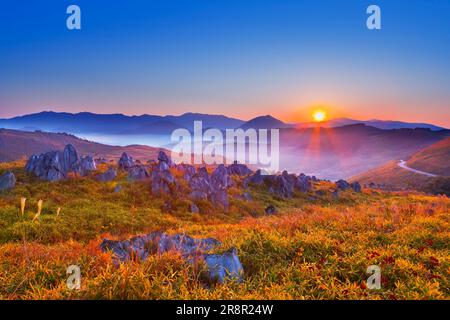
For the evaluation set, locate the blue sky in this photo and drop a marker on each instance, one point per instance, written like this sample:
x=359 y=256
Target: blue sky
x=241 y=58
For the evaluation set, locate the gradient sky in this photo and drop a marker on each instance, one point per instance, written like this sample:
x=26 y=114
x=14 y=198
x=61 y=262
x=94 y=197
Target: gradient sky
x=239 y=58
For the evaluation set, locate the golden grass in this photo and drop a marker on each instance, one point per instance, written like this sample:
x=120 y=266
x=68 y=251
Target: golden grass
x=311 y=250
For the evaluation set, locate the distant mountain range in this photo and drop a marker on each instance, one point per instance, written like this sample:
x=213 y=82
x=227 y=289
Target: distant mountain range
x=380 y=124
x=119 y=124
x=86 y=122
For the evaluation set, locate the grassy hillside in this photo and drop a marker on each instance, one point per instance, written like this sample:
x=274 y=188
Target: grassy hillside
x=15 y=145
x=393 y=177
x=434 y=159
x=317 y=247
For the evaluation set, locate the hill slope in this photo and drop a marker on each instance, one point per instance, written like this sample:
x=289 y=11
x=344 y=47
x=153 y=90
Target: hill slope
x=18 y=144
x=434 y=159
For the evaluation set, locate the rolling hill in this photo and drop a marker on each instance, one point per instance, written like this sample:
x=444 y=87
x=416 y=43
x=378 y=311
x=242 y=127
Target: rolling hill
x=18 y=144
x=434 y=159
x=264 y=122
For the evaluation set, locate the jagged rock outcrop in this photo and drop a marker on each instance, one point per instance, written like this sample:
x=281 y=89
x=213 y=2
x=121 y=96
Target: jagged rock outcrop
x=56 y=165
x=7 y=181
x=344 y=185
x=283 y=185
x=108 y=175
x=162 y=180
x=213 y=188
x=138 y=173
x=163 y=157
x=87 y=165
x=200 y=185
x=239 y=169
x=187 y=170
x=220 y=179
x=126 y=162
x=257 y=178
x=304 y=183
x=219 y=267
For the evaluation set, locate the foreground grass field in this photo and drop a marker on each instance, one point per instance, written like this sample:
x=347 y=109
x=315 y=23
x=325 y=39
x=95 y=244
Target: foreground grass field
x=316 y=247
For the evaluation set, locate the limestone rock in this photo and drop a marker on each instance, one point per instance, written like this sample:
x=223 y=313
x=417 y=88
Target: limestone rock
x=7 y=181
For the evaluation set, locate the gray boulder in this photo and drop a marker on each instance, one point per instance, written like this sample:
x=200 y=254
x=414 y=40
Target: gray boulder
x=70 y=160
x=356 y=186
x=87 y=165
x=163 y=157
x=220 y=179
x=223 y=267
x=271 y=210
x=7 y=181
x=126 y=162
x=194 y=208
x=138 y=173
x=162 y=180
x=107 y=176
x=303 y=183
x=200 y=182
x=343 y=185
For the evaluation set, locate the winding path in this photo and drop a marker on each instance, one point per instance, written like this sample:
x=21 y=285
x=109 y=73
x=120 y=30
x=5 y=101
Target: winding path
x=402 y=164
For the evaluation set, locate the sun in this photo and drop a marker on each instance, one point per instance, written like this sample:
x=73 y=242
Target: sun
x=319 y=115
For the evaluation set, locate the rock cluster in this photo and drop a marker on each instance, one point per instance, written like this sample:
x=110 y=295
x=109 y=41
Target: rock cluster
x=219 y=267
x=56 y=165
x=213 y=188
x=283 y=185
x=138 y=173
x=7 y=181
x=107 y=176
x=344 y=185
x=239 y=169
x=162 y=180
